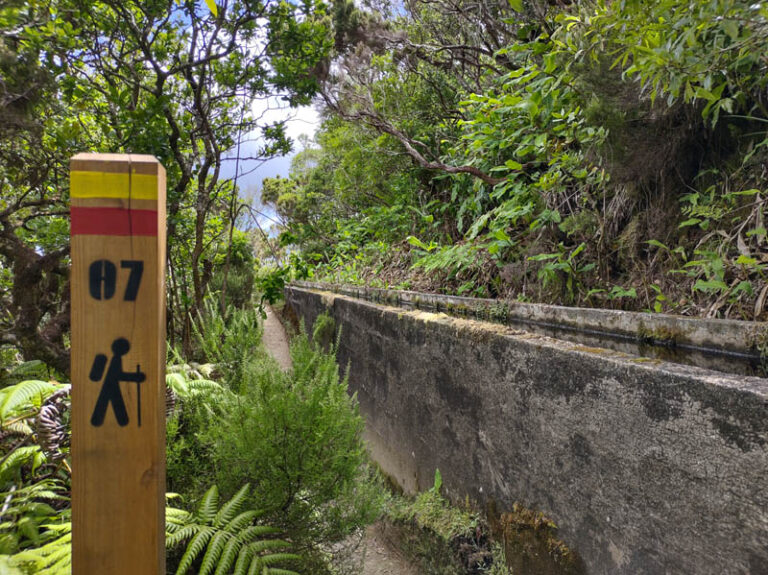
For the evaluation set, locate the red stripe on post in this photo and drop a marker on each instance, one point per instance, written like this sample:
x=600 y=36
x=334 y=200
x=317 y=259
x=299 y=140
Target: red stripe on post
x=112 y=222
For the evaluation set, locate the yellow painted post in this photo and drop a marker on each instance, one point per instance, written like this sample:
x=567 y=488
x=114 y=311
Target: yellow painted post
x=118 y=364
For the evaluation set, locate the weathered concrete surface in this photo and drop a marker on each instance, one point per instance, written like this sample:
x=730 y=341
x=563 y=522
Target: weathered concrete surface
x=726 y=336
x=646 y=467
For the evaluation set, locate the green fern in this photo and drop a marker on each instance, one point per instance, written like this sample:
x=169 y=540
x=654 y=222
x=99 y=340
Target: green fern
x=53 y=558
x=26 y=513
x=223 y=539
x=191 y=370
x=184 y=386
x=17 y=400
x=20 y=456
x=206 y=511
x=230 y=341
x=34 y=369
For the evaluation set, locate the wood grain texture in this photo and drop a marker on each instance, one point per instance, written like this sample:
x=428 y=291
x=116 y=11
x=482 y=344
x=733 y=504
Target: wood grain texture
x=118 y=466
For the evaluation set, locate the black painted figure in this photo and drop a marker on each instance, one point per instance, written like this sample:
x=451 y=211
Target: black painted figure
x=110 y=389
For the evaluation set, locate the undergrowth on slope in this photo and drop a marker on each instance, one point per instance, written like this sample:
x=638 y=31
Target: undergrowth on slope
x=625 y=146
x=295 y=436
x=443 y=539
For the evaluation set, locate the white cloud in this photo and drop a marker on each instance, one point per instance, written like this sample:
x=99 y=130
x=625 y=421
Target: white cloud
x=300 y=121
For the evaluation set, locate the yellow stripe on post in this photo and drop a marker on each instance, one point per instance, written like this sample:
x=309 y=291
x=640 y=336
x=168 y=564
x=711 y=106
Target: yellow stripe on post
x=113 y=185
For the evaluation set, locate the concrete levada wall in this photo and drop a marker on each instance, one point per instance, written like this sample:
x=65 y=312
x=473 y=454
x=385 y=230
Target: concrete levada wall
x=645 y=466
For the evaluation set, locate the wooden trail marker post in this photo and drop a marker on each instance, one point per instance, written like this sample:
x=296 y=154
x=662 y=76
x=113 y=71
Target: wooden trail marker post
x=118 y=364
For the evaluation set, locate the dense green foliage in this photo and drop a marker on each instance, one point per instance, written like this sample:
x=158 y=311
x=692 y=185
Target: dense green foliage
x=596 y=153
x=295 y=436
x=604 y=152
x=284 y=447
x=224 y=539
x=34 y=473
x=168 y=78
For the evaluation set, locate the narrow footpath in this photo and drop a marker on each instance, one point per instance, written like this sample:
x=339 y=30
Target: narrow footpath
x=275 y=339
x=375 y=553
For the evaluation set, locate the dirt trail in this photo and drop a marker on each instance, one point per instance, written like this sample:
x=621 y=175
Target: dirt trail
x=375 y=553
x=379 y=557
x=275 y=339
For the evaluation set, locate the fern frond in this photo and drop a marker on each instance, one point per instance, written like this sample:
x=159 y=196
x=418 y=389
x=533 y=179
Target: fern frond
x=215 y=547
x=15 y=397
x=46 y=494
x=227 y=541
x=35 y=508
x=228 y=556
x=18 y=427
x=205 y=370
x=195 y=547
x=279 y=558
x=267 y=544
x=197 y=386
x=240 y=522
x=27 y=368
x=44 y=489
x=243 y=561
x=53 y=558
x=177 y=382
x=62 y=556
x=183 y=533
x=250 y=533
x=177 y=516
x=257 y=565
x=278 y=571
x=231 y=507
x=16 y=459
x=207 y=509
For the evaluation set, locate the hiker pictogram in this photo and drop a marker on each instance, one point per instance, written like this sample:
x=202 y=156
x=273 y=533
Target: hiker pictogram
x=110 y=388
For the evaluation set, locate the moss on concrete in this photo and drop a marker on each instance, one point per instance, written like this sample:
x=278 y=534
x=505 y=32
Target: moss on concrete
x=530 y=542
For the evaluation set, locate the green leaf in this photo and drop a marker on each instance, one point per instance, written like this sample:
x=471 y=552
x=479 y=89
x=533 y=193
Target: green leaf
x=731 y=28
x=744 y=286
x=438 y=481
x=542 y=257
x=212 y=7
x=416 y=242
x=577 y=251
x=619 y=292
x=690 y=222
x=657 y=243
x=710 y=286
x=516 y=5
x=743 y=260
x=501 y=235
x=751 y=192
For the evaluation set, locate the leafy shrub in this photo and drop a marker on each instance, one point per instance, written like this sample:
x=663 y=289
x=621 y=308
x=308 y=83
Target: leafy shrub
x=296 y=436
x=270 y=281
